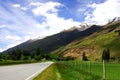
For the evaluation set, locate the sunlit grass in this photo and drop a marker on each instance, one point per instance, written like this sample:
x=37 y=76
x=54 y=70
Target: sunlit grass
x=51 y=73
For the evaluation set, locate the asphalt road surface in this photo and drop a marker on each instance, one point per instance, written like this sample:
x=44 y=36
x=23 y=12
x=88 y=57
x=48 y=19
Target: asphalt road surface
x=22 y=72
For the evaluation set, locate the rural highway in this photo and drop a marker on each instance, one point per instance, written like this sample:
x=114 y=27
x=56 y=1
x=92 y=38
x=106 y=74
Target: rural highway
x=23 y=71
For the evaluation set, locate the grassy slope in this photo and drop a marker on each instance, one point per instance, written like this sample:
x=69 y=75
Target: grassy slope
x=95 y=43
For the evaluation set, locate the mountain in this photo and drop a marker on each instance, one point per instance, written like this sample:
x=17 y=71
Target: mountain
x=106 y=37
x=51 y=43
x=76 y=41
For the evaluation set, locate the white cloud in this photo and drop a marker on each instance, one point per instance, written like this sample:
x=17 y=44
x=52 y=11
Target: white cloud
x=1 y=49
x=20 y=26
x=55 y=23
x=2 y=26
x=16 y=5
x=20 y=7
x=104 y=11
x=44 y=8
x=24 y=8
x=81 y=10
x=58 y=23
x=15 y=38
x=27 y=38
x=35 y=4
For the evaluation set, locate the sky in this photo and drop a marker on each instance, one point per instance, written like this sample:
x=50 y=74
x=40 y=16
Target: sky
x=22 y=20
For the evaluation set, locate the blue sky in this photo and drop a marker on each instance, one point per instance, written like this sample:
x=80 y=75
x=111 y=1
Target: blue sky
x=21 y=20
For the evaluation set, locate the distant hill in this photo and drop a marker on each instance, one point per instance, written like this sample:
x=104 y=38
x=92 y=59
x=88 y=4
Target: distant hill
x=51 y=43
x=106 y=37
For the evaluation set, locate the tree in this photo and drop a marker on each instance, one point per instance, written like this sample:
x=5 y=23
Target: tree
x=18 y=54
x=38 y=52
x=26 y=53
x=106 y=54
x=15 y=54
x=84 y=57
x=0 y=57
x=38 y=58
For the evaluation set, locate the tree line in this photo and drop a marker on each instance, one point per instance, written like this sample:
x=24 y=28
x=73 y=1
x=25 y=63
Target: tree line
x=17 y=54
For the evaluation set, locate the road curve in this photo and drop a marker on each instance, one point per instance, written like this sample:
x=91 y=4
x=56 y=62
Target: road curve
x=22 y=72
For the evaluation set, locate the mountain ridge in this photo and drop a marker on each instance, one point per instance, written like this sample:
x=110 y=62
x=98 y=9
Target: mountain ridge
x=55 y=41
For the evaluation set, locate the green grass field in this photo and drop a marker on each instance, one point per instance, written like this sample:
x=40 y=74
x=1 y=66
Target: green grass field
x=112 y=69
x=73 y=70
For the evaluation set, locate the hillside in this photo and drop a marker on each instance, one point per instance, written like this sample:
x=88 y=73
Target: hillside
x=74 y=42
x=51 y=43
x=93 y=45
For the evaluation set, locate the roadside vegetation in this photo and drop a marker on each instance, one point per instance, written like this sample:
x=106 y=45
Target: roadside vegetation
x=77 y=70
x=51 y=73
x=20 y=57
x=11 y=62
x=65 y=71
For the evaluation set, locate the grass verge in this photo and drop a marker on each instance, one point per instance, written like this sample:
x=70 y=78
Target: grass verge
x=51 y=73
x=63 y=71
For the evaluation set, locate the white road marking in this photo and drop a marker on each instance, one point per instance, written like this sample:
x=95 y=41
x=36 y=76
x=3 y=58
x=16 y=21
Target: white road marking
x=35 y=74
x=22 y=72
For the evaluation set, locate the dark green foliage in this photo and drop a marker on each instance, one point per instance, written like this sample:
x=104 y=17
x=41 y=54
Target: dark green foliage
x=84 y=57
x=68 y=58
x=27 y=58
x=38 y=52
x=32 y=55
x=0 y=57
x=38 y=58
x=15 y=55
x=118 y=31
x=112 y=58
x=106 y=54
x=3 y=57
x=26 y=53
x=11 y=62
